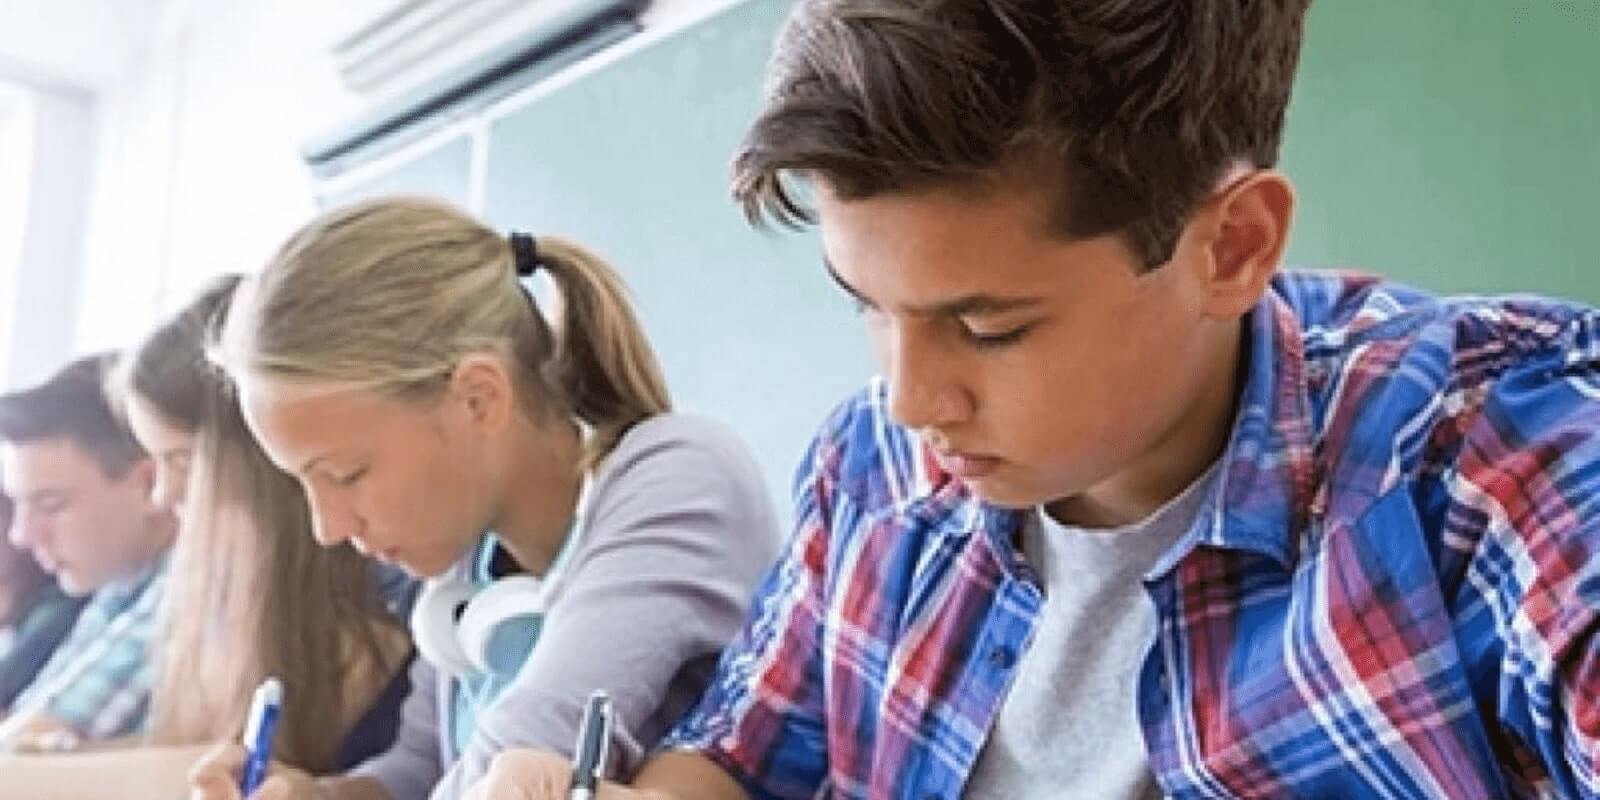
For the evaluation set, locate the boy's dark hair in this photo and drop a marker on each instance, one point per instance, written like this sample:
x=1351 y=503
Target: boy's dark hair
x=1131 y=109
x=72 y=405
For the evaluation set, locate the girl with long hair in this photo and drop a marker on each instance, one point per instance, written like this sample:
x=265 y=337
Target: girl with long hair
x=249 y=594
x=576 y=533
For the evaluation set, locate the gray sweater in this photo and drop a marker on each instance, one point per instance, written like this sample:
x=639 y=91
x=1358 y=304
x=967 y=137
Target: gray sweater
x=677 y=532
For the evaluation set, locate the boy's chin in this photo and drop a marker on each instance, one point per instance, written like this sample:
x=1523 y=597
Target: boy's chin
x=75 y=585
x=1004 y=495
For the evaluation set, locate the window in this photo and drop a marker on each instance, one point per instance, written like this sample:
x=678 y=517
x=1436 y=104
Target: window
x=16 y=171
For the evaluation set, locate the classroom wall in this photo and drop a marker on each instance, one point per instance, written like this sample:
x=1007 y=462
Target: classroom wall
x=1445 y=142
x=16 y=160
x=1451 y=143
x=199 y=166
x=73 y=43
x=46 y=286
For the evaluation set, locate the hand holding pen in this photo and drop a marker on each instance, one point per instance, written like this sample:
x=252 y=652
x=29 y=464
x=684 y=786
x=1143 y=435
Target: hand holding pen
x=528 y=774
x=233 y=770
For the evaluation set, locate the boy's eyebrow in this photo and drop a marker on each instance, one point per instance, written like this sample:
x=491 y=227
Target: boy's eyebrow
x=977 y=304
x=38 y=495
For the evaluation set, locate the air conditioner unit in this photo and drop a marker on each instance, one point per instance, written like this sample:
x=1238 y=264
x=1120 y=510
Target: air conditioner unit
x=427 y=62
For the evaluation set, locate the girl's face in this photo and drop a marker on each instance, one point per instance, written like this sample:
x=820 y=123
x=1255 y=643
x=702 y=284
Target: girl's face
x=404 y=482
x=170 y=446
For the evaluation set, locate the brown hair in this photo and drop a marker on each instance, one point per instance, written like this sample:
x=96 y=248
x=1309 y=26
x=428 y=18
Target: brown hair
x=390 y=294
x=1136 y=107
x=251 y=593
x=168 y=369
x=72 y=405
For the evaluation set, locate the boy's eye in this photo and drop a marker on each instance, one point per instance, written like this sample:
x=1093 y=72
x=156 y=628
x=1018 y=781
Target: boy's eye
x=994 y=339
x=350 y=477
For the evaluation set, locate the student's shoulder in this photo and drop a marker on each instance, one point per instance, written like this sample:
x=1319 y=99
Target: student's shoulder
x=675 y=453
x=1383 y=358
x=671 y=438
x=694 y=471
x=860 y=452
x=1343 y=314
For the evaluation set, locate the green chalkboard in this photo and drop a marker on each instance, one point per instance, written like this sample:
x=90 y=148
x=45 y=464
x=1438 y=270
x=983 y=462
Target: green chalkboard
x=1448 y=143
x=1454 y=144
x=633 y=160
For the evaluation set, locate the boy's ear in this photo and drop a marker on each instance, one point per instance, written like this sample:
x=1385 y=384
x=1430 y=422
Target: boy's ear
x=1246 y=230
x=141 y=477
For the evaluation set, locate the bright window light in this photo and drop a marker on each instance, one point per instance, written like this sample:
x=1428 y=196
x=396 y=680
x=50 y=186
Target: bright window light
x=16 y=169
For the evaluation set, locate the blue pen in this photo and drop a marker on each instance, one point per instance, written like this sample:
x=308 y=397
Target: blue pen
x=258 y=732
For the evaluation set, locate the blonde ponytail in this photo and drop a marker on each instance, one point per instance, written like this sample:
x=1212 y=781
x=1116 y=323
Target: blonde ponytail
x=390 y=294
x=604 y=366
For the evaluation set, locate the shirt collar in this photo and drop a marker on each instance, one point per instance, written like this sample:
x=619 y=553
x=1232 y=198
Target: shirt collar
x=1264 y=492
x=124 y=592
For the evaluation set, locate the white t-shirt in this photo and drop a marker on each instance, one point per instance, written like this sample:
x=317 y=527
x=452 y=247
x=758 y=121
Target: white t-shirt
x=1070 y=725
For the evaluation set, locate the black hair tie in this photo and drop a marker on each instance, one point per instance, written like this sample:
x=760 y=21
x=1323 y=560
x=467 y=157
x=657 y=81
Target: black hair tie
x=525 y=254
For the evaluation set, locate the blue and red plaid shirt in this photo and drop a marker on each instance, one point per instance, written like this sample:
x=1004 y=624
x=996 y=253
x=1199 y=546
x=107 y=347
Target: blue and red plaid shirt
x=1391 y=592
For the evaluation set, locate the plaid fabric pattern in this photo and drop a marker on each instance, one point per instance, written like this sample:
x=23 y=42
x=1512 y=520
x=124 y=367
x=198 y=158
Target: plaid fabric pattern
x=28 y=646
x=99 y=679
x=1391 y=592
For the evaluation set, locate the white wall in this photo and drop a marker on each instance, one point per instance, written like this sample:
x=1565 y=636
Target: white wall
x=79 y=44
x=16 y=177
x=46 y=285
x=55 y=55
x=199 y=167
x=169 y=137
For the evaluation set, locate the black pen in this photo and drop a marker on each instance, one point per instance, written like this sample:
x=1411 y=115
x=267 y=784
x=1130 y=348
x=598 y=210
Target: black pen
x=594 y=741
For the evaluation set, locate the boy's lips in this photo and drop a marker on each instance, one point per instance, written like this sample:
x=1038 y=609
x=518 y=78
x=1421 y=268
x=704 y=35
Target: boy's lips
x=967 y=465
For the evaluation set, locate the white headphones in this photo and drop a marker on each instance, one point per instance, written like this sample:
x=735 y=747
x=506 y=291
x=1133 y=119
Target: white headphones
x=462 y=629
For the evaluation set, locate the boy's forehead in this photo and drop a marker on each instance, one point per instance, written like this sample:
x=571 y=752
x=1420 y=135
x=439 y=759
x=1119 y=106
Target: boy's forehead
x=976 y=222
x=46 y=465
x=930 y=248
x=1034 y=199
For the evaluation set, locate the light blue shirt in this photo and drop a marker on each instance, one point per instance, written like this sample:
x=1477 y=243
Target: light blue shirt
x=476 y=691
x=99 y=679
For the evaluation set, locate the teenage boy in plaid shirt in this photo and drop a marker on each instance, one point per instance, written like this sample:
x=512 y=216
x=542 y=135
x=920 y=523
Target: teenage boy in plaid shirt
x=82 y=485
x=1132 y=512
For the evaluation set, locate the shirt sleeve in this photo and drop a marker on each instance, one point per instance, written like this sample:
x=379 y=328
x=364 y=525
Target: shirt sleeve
x=679 y=531
x=763 y=720
x=100 y=685
x=43 y=630
x=1526 y=487
x=411 y=766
